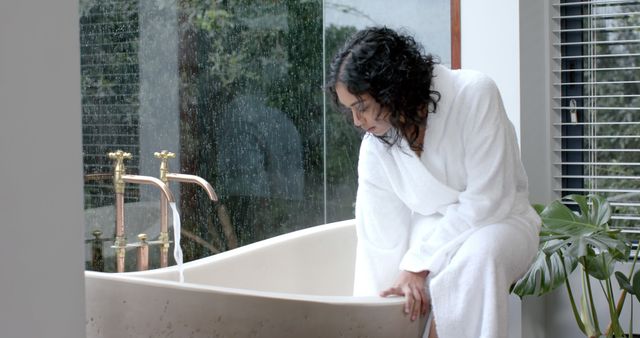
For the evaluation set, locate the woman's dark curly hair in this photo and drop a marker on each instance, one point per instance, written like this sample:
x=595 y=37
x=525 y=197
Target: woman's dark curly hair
x=392 y=69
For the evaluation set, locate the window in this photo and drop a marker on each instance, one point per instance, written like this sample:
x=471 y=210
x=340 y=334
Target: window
x=598 y=111
x=110 y=94
x=234 y=89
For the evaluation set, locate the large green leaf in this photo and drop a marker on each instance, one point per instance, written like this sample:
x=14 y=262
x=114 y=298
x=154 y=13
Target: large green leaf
x=579 y=231
x=557 y=217
x=569 y=237
x=600 y=266
x=583 y=204
x=546 y=273
x=594 y=209
x=602 y=211
x=636 y=285
x=624 y=282
x=538 y=208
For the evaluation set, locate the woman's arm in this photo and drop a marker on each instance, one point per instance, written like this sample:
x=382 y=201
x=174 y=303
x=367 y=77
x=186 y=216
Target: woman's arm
x=383 y=220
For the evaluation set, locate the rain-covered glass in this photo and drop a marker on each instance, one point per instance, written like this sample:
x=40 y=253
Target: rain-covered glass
x=234 y=89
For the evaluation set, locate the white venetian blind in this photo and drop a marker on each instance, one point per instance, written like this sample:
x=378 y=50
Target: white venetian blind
x=597 y=125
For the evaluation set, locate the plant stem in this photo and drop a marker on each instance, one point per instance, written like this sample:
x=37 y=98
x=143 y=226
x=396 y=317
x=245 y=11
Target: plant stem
x=590 y=294
x=620 y=304
x=576 y=314
x=623 y=294
x=631 y=320
x=614 y=324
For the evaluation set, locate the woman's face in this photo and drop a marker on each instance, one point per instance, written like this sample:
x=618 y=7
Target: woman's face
x=366 y=111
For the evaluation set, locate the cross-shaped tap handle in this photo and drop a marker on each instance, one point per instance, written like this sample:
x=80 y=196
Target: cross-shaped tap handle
x=164 y=157
x=119 y=156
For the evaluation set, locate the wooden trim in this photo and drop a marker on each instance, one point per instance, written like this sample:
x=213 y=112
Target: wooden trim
x=455 y=35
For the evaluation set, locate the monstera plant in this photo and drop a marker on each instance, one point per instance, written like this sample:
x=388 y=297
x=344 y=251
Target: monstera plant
x=581 y=238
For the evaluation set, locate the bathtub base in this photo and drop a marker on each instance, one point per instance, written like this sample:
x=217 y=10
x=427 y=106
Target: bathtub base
x=142 y=309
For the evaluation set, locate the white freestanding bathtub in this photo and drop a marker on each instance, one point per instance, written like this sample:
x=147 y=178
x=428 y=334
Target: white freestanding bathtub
x=295 y=285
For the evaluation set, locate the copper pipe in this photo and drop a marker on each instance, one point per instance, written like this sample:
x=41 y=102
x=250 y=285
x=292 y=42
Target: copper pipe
x=118 y=185
x=119 y=215
x=184 y=178
x=164 y=233
x=150 y=181
x=164 y=157
x=166 y=176
x=120 y=241
x=98 y=177
x=143 y=253
x=165 y=197
x=223 y=216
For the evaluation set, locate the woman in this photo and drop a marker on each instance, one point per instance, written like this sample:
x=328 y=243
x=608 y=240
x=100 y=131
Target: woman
x=442 y=210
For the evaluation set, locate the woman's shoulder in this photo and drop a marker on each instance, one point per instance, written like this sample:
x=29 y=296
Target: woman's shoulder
x=374 y=155
x=462 y=79
x=467 y=79
x=370 y=147
x=461 y=85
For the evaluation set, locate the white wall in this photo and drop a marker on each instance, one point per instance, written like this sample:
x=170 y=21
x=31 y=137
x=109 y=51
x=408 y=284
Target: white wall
x=535 y=137
x=490 y=44
x=41 y=237
x=536 y=93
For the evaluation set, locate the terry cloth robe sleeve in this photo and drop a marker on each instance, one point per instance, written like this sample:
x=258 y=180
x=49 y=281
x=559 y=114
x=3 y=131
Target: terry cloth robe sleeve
x=395 y=190
x=490 y=168
x=382 y=225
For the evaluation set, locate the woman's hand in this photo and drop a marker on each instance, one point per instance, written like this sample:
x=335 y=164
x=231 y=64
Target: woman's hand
x=412 y=286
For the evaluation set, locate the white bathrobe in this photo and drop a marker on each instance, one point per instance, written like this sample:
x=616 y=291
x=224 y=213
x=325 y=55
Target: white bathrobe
x=461 y=210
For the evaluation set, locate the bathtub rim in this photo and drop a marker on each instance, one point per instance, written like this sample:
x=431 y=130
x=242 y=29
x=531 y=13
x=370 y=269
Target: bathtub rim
x=146 y=277
x=310 y=231
x=186 y=286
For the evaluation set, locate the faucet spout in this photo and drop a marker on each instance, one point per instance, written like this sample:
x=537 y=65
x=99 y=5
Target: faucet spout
x=185 y=178
x=138 y=179
x=166 y=176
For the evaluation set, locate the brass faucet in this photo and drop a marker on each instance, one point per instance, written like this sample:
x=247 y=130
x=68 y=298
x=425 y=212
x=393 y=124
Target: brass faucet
x=166 y=177
x=120 y=178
